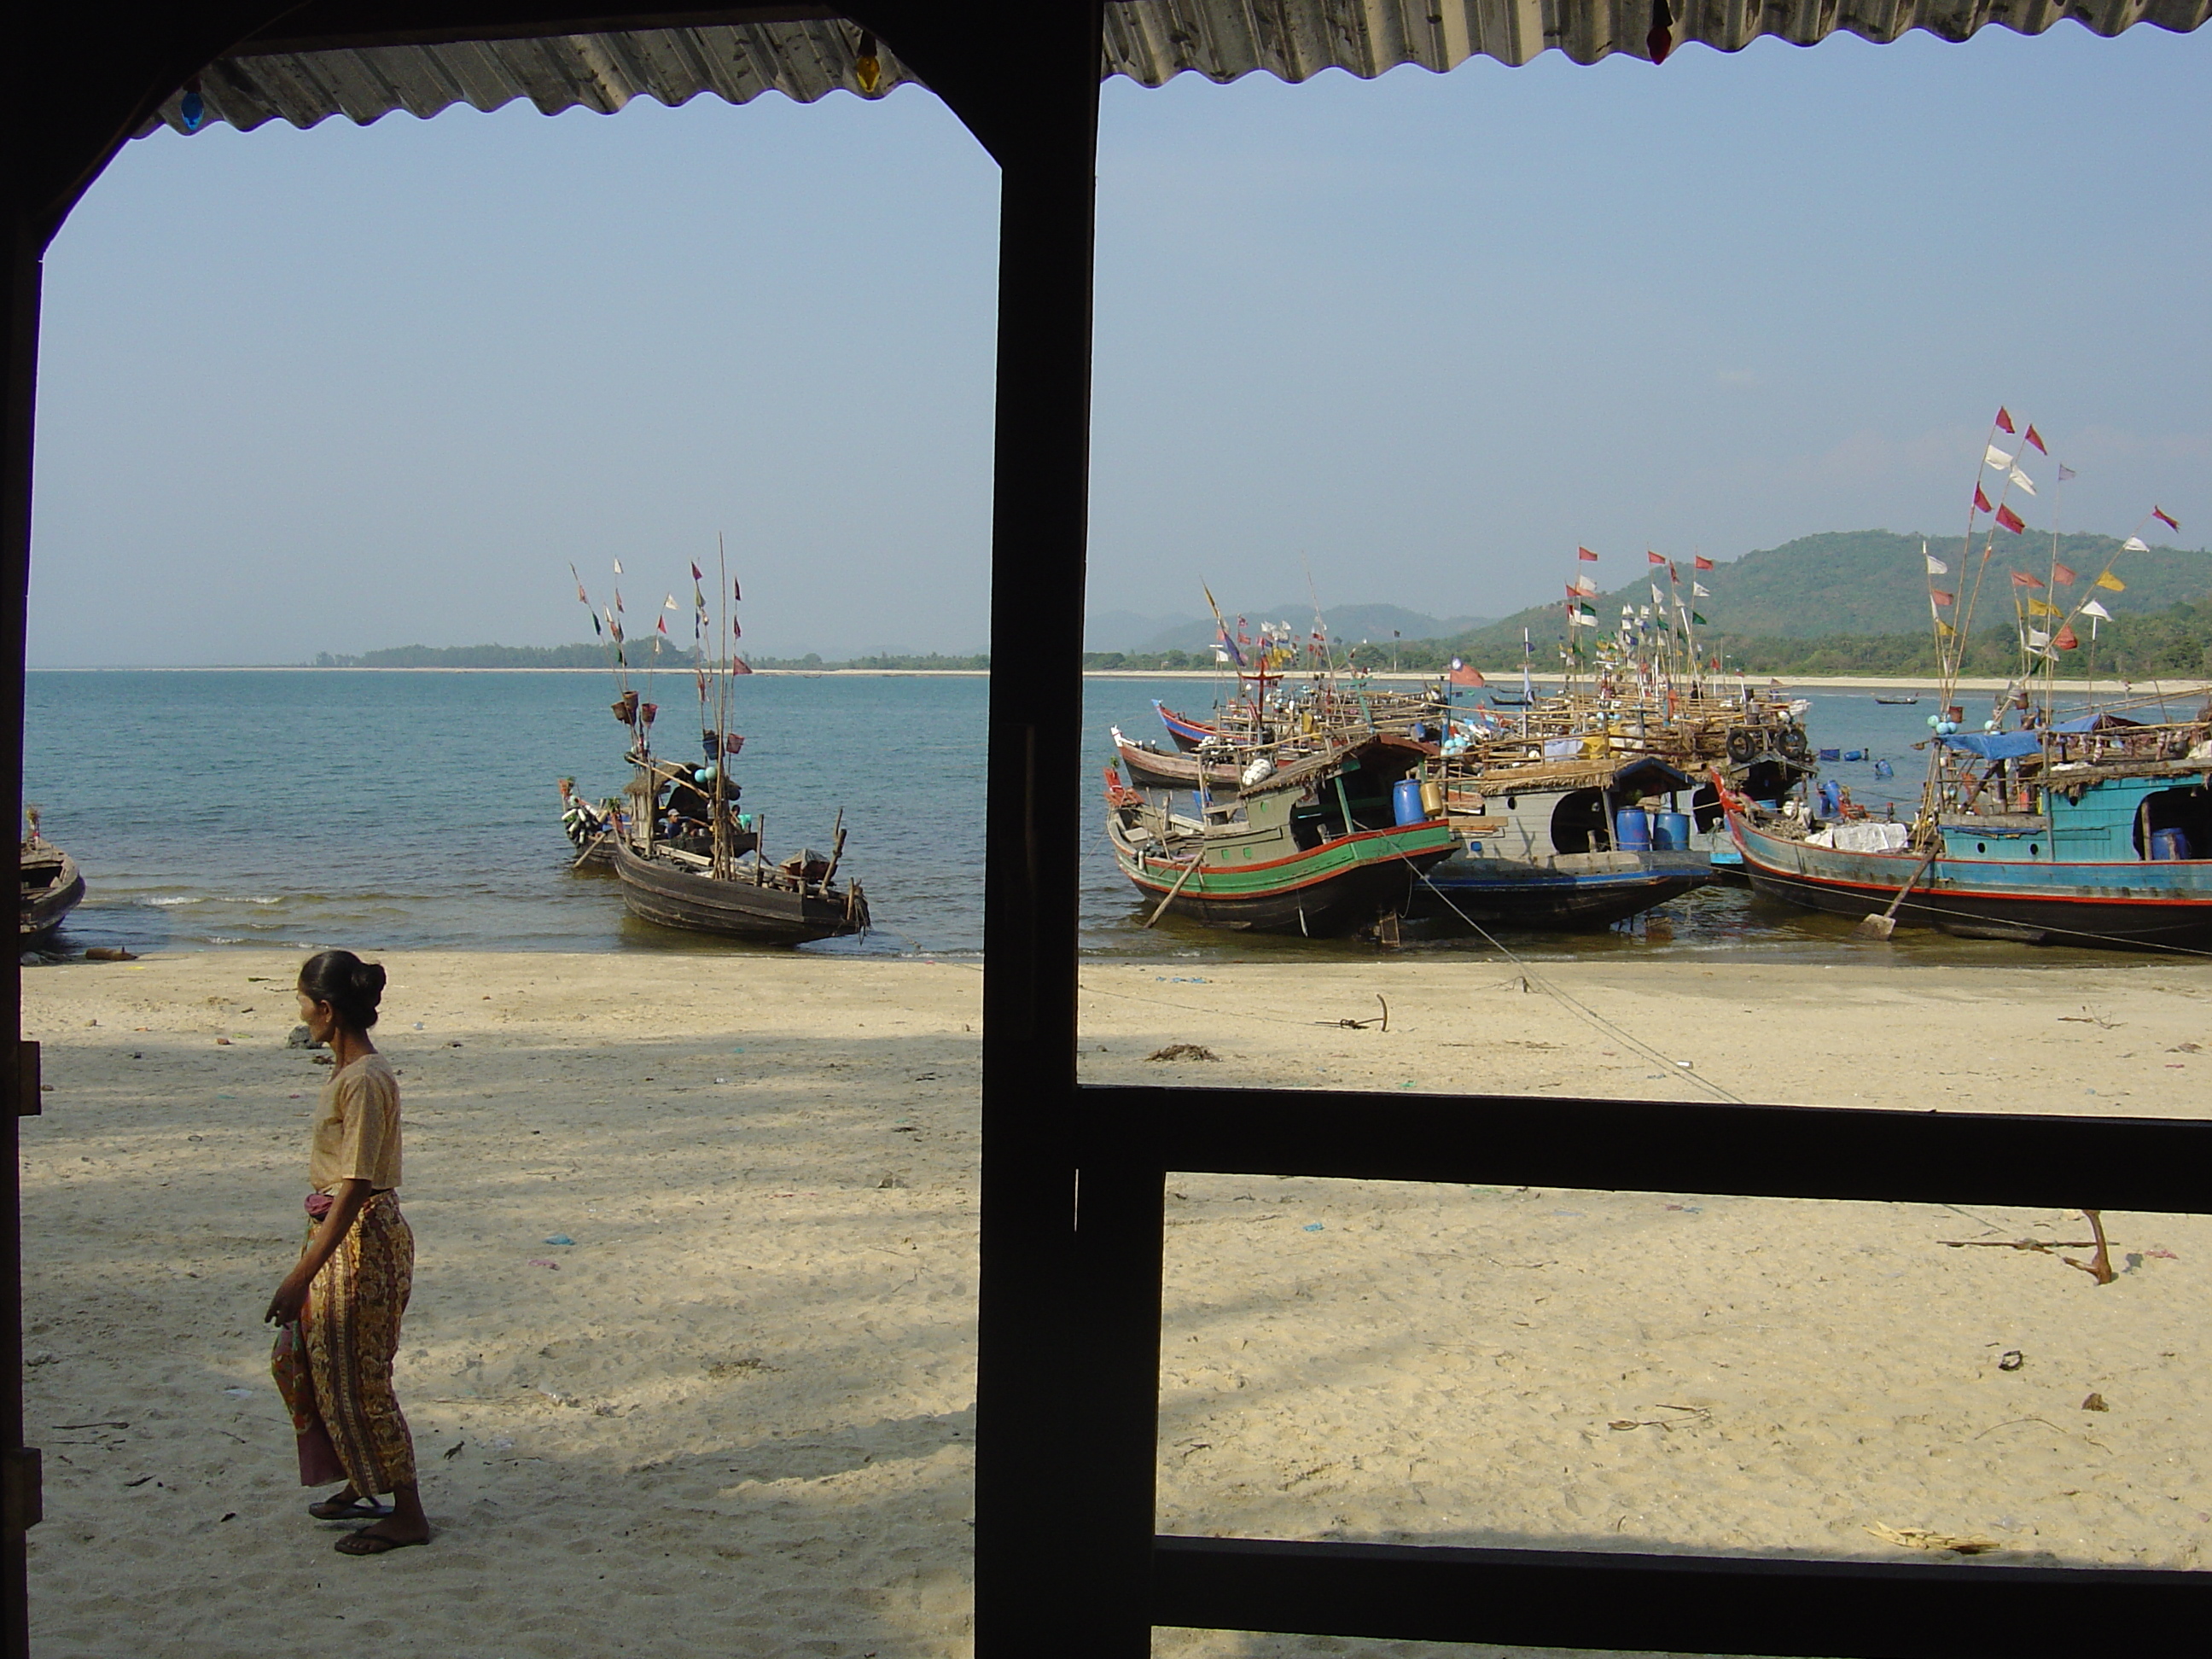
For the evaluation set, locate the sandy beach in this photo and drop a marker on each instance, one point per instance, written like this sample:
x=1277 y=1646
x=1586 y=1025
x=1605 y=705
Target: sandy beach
x=734 y=1415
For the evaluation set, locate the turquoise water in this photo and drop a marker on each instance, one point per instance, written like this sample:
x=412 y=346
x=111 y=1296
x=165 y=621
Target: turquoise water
x=302 y=809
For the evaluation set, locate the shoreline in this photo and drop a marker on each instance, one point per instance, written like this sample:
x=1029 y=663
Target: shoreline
x=2175 y=688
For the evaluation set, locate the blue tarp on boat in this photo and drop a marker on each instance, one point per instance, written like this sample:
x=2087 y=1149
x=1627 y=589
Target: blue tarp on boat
x=1993 y=745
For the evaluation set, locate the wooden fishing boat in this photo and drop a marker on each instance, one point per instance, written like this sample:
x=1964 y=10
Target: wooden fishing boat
x=1564 y=848
x=1897 y=703
x=1317 y=849
x=2098 y=853
x=1187 y=733
x=1151 y=767
x=51 y=886
x=794 y=902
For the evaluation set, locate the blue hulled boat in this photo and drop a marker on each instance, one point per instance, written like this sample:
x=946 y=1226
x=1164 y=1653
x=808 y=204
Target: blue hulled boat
x=2097 y=832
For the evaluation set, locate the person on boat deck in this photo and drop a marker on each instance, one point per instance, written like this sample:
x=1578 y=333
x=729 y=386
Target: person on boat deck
x=337 y=1312
x=688 y=811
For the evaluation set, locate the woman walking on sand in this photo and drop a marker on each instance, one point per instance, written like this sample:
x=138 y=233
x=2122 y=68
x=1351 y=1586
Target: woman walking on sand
x=339 y=1309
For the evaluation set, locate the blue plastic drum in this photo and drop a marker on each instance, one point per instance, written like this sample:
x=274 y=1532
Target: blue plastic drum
x=1670 y=832
x=1632 y=830
x=2169 y=846
x=1405 y=802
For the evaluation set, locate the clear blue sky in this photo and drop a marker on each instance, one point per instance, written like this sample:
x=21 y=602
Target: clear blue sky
x=358 y=387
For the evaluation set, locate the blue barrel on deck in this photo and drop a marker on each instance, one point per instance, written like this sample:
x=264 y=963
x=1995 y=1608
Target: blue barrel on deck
x=1405 y=802
x=2169 y=845
x=1631 y=830
x=1670 y=832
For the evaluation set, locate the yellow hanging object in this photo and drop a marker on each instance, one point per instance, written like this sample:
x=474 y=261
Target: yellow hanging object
x=867 y=68
x=2043 y=608
x=2111 y=583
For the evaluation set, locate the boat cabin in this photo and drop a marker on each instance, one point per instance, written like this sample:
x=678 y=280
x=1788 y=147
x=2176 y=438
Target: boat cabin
x=1556 y=813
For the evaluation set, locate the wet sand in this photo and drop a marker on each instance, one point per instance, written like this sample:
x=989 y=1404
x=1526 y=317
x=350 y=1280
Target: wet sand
x=734 y=1415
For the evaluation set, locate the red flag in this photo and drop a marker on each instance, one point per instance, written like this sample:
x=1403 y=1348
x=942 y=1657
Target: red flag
x=1673 y=574
x=1941 y=597
x=1586 y=555
x=1462 y=675
x=662 y=625
x=2166 y=518
x=1981 y=501
x=1703 y=563
x=2036 y=438
x=739 y=665
x=2062 y=576
x=2012 y=521
x=2022 y=579
x=2066 y=640
x=2004 y=421
x=1652 y=557
x=698 y=575
x=738 y=593
x=737 y=628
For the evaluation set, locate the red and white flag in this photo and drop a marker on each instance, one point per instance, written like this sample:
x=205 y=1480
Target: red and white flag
x=2025 y=579
x=1981 y=500
x=1586 y=555
x=2036 y=438
x=1702 y=563
x=2004 y=421
x=2011 y=520
x=2166 y=518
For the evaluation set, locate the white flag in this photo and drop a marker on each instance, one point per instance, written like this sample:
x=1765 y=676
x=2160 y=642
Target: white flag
x=617 y=567
x=2036 y=638
x=2093 y=609
x=1657 y=597
x=1581 y=621
x=1586 y=585
x=668 y=604
x=1696 y=591
x=2135 y=544
x=1935 y=566
x=1996 y=458
x=2021 y=480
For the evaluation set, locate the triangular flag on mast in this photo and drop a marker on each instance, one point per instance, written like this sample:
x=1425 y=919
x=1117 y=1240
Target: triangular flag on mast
x=1994 y=456
x=2024 y=578
x=1981 y=500
x=2093 y=609
x=1937 y=596
x=2021 y=480
x=1650 y=558
x=2011 y=520
x=2004 y=421
x=2166 y=518
x=1701 y=563
x=1935 y=566
x=1586 y=555
x=2035 y=438
x=2061 y=575
x=2112 y=584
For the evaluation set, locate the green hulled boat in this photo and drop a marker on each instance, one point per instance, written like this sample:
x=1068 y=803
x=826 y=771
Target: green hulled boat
x=1321 y=848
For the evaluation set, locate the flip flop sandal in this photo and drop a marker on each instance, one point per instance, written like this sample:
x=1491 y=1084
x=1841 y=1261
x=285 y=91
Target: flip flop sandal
x=352 y=1509
x=373 y=1543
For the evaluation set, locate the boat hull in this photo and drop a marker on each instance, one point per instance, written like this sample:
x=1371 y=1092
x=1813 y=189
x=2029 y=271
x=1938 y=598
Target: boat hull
x=1155 y=768
x=656 y=891
x=2124 y=905
x=1502 y=892
x=45 y=907
x=1324 y=892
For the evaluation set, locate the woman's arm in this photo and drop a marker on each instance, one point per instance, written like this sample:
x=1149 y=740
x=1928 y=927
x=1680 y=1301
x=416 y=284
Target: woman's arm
x=345 y=1204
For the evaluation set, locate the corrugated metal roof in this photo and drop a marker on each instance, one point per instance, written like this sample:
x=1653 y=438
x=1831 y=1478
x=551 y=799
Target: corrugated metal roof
x=1150 y=41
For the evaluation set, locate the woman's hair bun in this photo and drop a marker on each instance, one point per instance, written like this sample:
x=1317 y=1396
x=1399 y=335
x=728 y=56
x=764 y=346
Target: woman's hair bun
x=352 y=988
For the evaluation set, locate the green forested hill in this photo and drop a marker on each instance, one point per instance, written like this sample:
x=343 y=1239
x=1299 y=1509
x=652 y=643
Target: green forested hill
x=1860 y=582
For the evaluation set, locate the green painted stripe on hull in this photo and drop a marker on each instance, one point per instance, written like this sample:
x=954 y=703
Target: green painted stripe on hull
x=1321 y=864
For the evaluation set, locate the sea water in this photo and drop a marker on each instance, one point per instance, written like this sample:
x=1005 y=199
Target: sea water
x=300 y=808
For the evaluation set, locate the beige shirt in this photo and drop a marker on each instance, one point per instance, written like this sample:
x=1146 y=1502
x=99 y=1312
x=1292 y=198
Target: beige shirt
x=357 y=1129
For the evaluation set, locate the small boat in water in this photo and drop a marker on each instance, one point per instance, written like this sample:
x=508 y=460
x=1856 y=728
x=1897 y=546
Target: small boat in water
x=794 y=902
x=1322 y=848
x=51 y=885
x=591 y=829
x=1151 y=767
x=1897 y=702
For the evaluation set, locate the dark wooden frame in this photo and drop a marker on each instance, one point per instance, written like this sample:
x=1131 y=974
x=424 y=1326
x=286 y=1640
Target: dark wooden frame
x=1066 y=1561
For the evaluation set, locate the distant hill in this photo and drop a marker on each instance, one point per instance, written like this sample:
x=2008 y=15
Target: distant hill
x=1351 y=623
x=1128 y=630
x=1859 y=582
